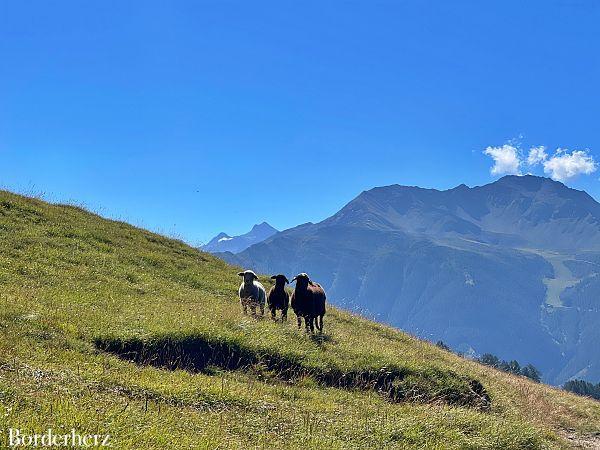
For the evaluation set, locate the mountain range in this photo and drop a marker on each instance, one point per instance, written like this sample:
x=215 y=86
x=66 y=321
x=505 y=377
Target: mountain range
x=509 y=268
x=222 y=242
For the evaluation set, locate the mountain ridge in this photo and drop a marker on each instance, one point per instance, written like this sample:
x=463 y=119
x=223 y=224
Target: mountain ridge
x=407 y=255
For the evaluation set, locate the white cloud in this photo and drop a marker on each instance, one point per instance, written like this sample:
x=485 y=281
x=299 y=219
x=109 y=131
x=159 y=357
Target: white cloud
x=536 y=155
x=564 y=165
x=506 y=159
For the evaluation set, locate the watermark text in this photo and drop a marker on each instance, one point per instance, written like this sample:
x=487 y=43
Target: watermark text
x=50 y=438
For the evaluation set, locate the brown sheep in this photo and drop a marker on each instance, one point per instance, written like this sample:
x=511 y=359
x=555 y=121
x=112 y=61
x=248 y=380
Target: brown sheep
x=278 y=297
x=308 y=302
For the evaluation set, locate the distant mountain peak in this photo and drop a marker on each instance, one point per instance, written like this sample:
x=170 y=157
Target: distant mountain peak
x=527 y=181
x=223 y=242
x=264 y=226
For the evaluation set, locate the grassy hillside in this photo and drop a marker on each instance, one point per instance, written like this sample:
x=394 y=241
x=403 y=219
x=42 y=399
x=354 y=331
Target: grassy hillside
x=111 y=329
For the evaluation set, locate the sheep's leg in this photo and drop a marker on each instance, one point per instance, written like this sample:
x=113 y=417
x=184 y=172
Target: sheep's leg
x=273 y=317
x=320 y=323
x=284 y=315
x=244 y=306
x=262 y=310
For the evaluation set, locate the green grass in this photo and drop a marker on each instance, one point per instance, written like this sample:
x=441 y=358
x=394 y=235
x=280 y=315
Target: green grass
x=112 y=329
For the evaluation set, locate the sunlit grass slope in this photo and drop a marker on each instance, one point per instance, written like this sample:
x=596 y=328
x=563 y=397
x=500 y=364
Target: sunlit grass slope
x=107 y=328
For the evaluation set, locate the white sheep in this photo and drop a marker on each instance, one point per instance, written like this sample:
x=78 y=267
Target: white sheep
x=252 y=293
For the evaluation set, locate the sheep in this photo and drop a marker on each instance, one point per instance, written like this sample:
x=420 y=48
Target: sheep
x=308 y=302
x=252 y=293
x=278 y=297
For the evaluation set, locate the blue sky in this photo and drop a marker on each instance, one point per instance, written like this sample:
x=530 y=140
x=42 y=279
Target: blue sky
x=192 y=118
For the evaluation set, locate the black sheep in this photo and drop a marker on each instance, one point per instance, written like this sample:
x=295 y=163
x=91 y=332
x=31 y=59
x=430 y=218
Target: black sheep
x=278 y=297
x=308 y=302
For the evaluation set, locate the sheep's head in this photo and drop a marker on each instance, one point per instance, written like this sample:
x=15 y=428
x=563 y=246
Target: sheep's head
x=302 y=280
x=280 y=280
x=249 y=276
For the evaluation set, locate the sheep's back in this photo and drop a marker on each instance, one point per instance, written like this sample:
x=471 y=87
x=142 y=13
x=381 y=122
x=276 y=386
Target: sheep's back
x=319 y=299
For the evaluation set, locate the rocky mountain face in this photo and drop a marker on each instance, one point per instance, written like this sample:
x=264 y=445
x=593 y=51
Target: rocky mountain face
x=511 y=268
x=235 y=244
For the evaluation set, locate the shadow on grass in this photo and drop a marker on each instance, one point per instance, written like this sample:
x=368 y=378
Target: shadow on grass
x=197 y=353
x=320 y=339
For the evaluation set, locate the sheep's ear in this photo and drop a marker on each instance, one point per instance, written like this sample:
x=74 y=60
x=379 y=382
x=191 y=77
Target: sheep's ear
x=241 y=274
x=286 y=280
x=294 y=279
x=274 y=277
x=255 y=277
